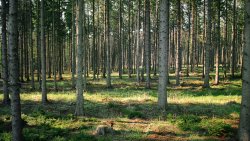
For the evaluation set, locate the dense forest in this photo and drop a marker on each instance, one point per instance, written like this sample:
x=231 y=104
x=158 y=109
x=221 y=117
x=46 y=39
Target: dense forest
x=125 y=70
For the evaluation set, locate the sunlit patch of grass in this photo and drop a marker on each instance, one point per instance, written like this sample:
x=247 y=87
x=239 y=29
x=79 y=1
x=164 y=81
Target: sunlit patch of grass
x=133 y=110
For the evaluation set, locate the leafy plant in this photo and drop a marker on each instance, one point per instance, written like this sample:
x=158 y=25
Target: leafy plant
x=189 y=122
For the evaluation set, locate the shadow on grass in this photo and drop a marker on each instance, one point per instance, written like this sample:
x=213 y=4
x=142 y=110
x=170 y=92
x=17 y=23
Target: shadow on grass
x=95 y=112
x=147 y=110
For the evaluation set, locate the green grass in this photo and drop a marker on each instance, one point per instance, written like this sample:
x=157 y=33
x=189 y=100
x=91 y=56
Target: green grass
x=193 y=113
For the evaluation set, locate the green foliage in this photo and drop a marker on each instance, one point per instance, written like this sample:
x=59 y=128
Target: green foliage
x=205 y=126
x=216 y=128
x=83 y=137
x=199 y=114
x=189 y=123
x=5 y=136
x=112 y=105
x=135 y=114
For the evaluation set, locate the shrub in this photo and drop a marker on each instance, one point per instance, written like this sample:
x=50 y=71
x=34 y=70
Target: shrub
x=216 y=128
x=189 y=122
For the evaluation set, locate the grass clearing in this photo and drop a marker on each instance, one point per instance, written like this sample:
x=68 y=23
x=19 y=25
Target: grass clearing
x=193 y=113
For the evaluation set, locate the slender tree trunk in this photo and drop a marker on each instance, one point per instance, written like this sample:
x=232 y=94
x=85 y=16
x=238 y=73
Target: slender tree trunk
x=178 y=47
x=108 y=67
x=233 y=49
x=193 y=36
x=217 y=75
x=73 y=47
x=225 y=44
x=13 y=70
x=138 y=45
x=38 y=46
x=208 y=45
x=204 y=37
x=147 y=42
x=5 y=71
x=244 y=128
x=120 y=40
x=188 y=44
x=31 y=49
x=79 y=59
x=43 y=55
x=94 y=62
x=129 y=40
x=163 y=55
x=55 y=51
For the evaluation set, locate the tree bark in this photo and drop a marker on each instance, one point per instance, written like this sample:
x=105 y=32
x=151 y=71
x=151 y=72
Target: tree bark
x=244 y=126
x=233 y=48
x=163 y=55
x=147 y=42
x=178 y=47
x=138 y=45
x=43 y=55
x=73 y=47
x=79 y=58
x=5 y=71
x=14 y=71
x=108 y=67
x=208 y=45
x=217 y=74
x=31 y=48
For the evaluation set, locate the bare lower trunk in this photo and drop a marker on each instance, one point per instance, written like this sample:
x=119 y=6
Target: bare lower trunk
x=244 y=127
x=108 y=67
x=208 y=46
x=79 y=59
x=147 y=42
x=14 y=72
x=43 y=55
x=163 y=55
x=5 y=71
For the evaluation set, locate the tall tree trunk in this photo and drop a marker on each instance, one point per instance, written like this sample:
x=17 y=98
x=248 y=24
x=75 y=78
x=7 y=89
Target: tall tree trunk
x=94 y=62
x=147 y=42
x=244 y=128
x=31 y=48
x=217 y=75
x=38 y=46
x=79 y=59
x=225 y=44
x=43 y=55
x=5 y=71
x=129 y=40
x=108 y=67
x=138 y=45
x=54 y=46
x=13 y=70
x=120 y=40
x=193 y=36
x=233 y=49
x=178 y=47
x=208 y=45
x=163 y=53
x=189 y=33
x=204 y=38
x=73 y=69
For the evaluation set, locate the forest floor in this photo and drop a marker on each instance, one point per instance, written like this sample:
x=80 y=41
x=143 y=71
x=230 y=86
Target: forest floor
x=193 y=113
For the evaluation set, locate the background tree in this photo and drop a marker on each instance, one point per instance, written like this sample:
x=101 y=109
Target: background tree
x=43 y=55
x=107 y=41
x=5 y=71
x=147 y=42
x=208 y=44
x=178 y=47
